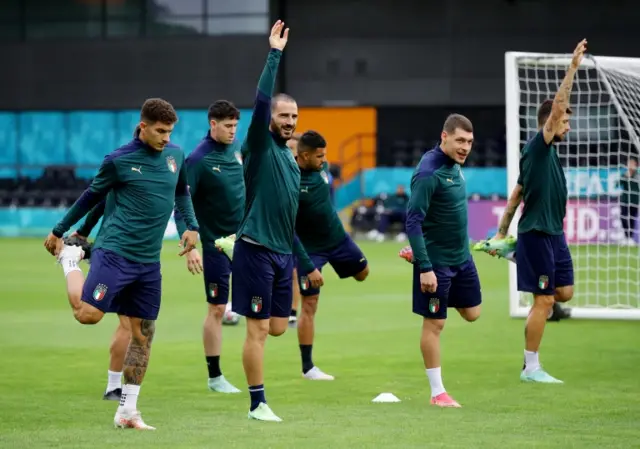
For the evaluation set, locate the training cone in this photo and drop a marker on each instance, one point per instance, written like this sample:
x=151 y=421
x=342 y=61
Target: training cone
x=386 y=397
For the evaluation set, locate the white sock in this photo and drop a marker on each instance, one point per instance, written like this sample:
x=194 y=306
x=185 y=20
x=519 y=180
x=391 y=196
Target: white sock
x=227 y=308
x=435 y=381
x=531 y=361
x=69 y=265
x=114 y=380
x=129 y=398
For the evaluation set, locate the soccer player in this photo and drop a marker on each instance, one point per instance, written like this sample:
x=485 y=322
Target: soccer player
x=545 y=267
x=122 y=334
x=444 y=273
x=146 y=176
x=293 y=318
x=323 y=237
x=262 y=255
x=216 y=184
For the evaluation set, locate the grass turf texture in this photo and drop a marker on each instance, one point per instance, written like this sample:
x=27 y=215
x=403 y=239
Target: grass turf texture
x=54 y=370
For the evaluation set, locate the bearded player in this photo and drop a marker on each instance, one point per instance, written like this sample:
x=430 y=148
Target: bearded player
x=543 y=259
x=263 y=252
x=323 y=237
x=444 y=273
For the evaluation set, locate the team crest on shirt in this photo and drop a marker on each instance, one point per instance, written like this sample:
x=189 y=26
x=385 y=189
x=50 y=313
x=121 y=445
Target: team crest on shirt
x=256 y=304
x=213 y=290
x=171 y=163
x=543 y=282
x=238 y=156
x=325 y=178
x=434 y=305
x=100 y=292
x=304 y=282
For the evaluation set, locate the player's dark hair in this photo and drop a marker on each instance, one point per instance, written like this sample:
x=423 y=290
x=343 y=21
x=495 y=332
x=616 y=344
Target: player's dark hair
x=158 y=110
x=281 y=97
x=544 y=111
x=311 y=141
x=223 y=110
x=457 y=121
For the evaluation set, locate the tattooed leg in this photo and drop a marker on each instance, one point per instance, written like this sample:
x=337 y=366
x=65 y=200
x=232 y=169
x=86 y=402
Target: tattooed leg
x=136 y=361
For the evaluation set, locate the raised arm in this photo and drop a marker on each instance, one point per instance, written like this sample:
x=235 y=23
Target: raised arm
x=259 y=126
x=562 y=98
x=507 y=216
x=183 y=203
x=193 y=178
x=103 y=182
x=422 y=189
x=92 y=219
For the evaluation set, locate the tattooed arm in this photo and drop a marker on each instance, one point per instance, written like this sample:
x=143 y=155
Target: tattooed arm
x=561 y=100
x=509 y=212
x=137 y=359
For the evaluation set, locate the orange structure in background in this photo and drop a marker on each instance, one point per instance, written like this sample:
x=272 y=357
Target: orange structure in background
x=350 y=135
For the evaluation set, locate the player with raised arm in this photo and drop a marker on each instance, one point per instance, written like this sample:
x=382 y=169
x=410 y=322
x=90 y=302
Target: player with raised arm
x=444 y=273
x=147 y=176
x=543 y=259
x=216 y=184
x=262 y=255
x=323 y=237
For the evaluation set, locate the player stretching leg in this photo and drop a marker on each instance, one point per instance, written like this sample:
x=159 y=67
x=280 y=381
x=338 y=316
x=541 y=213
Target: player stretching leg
x=216 y=184
x=293 y=319
x=77 y=248
x=444 y=273
x=262 y=254
x=320 y=231
x=545 y=267
x=146 y=176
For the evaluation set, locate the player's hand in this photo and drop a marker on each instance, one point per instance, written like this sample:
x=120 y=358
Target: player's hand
x=53 y=244
x=316 y=279
x=188 y=242
x=578 y=53
x=498 y=236
x=194 y=262
x=407 y=254
x=78 y=236
x=277 y=39
x=428 y=282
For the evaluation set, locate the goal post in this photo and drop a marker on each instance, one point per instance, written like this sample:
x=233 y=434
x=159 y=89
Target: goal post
x=605 y=133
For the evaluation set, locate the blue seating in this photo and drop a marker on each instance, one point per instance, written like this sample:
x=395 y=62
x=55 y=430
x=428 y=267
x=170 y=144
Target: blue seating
x=83 y=138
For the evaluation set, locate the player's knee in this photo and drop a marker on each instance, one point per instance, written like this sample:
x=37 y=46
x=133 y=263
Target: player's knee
x=257 y=330
x=142 y=331
x=431 y=326
x=564 y=294
x=362 y=275
x=87 y=314
x=309 y=305
x=545 y=301
x=278 y=326
x=470 y=314
x=216 y=311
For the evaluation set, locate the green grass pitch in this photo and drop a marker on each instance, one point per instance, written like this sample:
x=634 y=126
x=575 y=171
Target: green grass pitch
x=54 y=371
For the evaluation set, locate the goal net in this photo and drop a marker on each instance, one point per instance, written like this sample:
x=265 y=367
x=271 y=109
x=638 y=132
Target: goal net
x=605 y=131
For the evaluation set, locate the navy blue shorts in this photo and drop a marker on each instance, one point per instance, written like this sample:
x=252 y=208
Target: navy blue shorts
x=262 y=282
x=217 y=270
x=543 y=263
x=346 y=259
x=458 y=287
x=117 y=285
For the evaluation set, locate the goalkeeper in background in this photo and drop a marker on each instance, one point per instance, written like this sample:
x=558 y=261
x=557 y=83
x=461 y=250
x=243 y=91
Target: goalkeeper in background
x=543 y=259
